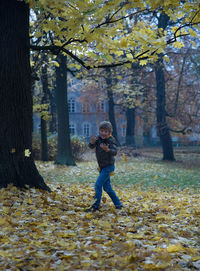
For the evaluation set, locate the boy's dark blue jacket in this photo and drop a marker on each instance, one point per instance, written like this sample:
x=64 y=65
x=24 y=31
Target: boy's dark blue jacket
x=104 y=158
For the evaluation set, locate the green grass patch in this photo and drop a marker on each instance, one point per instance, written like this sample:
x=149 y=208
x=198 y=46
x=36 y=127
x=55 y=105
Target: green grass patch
x=140 y=172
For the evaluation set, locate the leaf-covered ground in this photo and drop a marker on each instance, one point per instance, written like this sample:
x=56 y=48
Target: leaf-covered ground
x=158 y=229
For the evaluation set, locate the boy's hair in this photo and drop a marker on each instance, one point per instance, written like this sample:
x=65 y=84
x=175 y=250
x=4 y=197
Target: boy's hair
x=106 y=125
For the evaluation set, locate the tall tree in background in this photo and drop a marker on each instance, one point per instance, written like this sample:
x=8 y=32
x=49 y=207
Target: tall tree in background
x=64 y=155
x=43 y=122
x=130 y=127
x=52 y=101
x=111 y=105
x=16 y=161
x=162 y=126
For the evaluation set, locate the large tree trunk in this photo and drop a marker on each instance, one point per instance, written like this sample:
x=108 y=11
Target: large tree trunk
x=43 y=122
x=111 y=105
x=130 y=127
x=64 y=156
x=52 y=100
x=146 y=133
x=16 y=98
x=162 y=126
x=130 y=115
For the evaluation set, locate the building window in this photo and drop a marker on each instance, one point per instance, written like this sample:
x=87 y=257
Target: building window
x=85 y=108
x=100 y=107
x=86 y=129
x=72 y=129
x=71 y=105
x=123 y=130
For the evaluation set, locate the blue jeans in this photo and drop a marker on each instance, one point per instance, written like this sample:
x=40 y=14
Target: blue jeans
x=103 y=181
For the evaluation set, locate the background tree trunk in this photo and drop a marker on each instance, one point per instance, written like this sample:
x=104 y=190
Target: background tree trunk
x=130 y=127
x=43 y=123
x=111 y=105
x=146 y=133
x=52 y=100
x=162 y=126
x=130 y=113
x=16 y=98
x=64 y=156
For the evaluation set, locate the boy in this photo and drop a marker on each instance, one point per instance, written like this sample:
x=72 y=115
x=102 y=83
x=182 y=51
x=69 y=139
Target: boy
x=106 y=149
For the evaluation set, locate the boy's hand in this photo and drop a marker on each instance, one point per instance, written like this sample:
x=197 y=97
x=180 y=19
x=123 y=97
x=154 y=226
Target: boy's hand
x=93 y=139
x=104 y=147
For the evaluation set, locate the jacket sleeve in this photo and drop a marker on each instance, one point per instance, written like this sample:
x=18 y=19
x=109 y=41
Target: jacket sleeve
x=112 y=147
x=92 y=146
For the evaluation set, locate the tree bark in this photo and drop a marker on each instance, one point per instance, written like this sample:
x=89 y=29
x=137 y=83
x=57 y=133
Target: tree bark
x=52 y=100
x=146 y=133
x=111 y=105
x=64 y=156
x=43 y=122
x=162 y=126
x=130 y=115
x=16 y=98
x=130 y=127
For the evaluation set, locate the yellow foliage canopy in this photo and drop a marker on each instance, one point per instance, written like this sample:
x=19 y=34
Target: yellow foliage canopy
x=82 y=26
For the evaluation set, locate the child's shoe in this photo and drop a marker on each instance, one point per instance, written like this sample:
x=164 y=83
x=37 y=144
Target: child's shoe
x=119 y=207
x=92 y=209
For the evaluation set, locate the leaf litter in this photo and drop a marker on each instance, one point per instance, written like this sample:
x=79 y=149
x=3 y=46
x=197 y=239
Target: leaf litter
x=52 y=231
x=158 y=228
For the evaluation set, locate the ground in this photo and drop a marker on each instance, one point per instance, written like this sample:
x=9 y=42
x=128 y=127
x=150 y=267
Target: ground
x=158 y=229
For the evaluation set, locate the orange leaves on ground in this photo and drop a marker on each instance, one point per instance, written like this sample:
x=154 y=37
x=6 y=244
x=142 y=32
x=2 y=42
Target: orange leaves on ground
x=155 y=230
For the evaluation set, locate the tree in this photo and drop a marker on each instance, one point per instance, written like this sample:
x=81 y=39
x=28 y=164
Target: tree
x=64 y=156
x=182 y=97
x=162 y=126
x=16 y=161
x=130 y=128
x=43 y=122
x=52 y=125
x=111 y=105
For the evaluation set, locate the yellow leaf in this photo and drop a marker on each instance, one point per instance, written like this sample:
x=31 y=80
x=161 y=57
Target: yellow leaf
x=143 y=62
x=67 y=257
x=137 y=236
x=6 y=210
x=95 y=255
x=27 y=153
x=175 y=248
x=3 y=221
x=178 y=44
x=193 y=43
x=68 y=234
x=193 y=33
x=105 y=224
x=29 y=201
x=166 y=58
x=145 y=206
x=155 y=177
x=123 y=42
x=4 y=254
x=149 y=266
x=124 y=157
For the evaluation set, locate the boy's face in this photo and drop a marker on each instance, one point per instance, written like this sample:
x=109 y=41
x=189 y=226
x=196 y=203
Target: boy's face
x=104 y=133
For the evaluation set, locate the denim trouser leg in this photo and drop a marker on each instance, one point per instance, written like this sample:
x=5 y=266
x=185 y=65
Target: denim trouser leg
x=103 y=181
x=108 y=189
